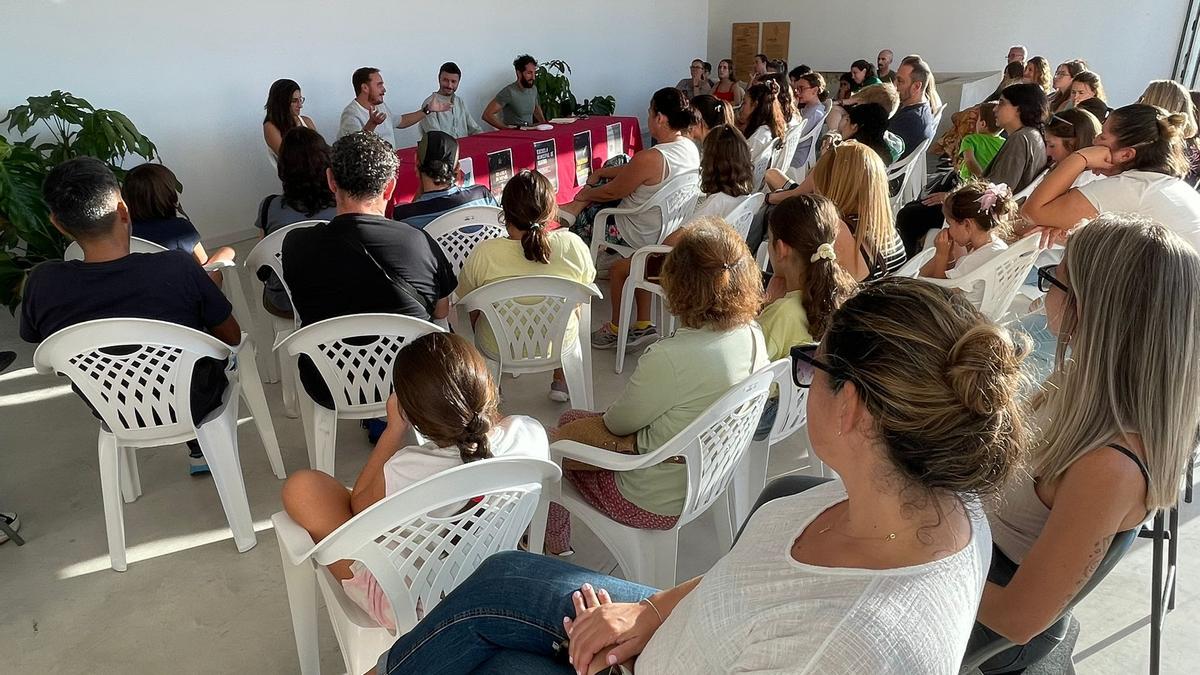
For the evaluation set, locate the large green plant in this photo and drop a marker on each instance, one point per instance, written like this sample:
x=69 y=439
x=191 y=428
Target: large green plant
x=54 y=128
x=556 y=98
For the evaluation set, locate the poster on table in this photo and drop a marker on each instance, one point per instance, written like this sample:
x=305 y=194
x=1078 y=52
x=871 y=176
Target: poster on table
x=547 y=160
x=583 y=157
x=468 y=171
x=500 y=169
x=616 y=146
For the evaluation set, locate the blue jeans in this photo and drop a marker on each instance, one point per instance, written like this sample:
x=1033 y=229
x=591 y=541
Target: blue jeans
x=505 y=618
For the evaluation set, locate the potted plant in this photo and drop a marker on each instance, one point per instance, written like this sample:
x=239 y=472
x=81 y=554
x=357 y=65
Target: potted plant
x=73 y=128
x=556 y=98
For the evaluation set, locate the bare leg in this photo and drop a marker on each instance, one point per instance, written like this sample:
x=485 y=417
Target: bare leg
x=319 y=504
x=776 y=179
x=223 y=254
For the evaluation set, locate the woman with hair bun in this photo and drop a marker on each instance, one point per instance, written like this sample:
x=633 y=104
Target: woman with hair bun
x=1140 y=150
x=445 y=391
x=762 y=118
x=529 y=249
x=914 y=400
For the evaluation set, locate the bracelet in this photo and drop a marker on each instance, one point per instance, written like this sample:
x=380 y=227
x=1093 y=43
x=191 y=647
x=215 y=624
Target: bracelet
x=658 y=613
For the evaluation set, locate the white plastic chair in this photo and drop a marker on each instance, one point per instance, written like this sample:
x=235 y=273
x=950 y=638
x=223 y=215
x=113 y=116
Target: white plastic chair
x=136 y=245
x=785 y=150
x=906 y=169
x=798 y=173
x=912 y=268
x=712 y=446
x=790 y=418
x=636 y=281
x=143 y=399
x=675 y=202
x=742 y=215
x=356 y=369
x=1001 y=277
x=761 y=164
x=449 y=230
x=529 y=317
x=269 y=253
x=414 y=553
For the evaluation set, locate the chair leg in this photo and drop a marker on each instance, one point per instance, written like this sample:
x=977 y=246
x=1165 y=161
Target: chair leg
x=131 y=481
x=654 y=565
x=627 y=292
x=320 y=434
x=288 y=385
x=723 y=517
x=110 y=490
x=218 y=442
x=1156 y=597
x=576 y=376
x=748 y=482
x=256 y=400
x=537 y=526
x=585 y=350
x=301 y=583
x=1172 y=556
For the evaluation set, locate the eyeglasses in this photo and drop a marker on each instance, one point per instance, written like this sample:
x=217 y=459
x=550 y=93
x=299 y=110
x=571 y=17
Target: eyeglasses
x=1046 y=279
x=805 y=365
x=298 y=100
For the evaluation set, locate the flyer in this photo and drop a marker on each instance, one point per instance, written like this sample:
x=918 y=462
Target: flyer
x=583 y=157
x=547 y=160
x=500 y=169
x=616 y=144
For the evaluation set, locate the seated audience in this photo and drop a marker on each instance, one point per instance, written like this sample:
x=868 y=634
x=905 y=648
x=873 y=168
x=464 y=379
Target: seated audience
x=517 y=104
x=845 y=81
x=368 y=113
x=725 y=172
x=1016 y=54
x=1172 y=97
x=913 y=122
x=457 y=120
x=698 y=83
x=761 y=61
x=437 y=171
x=978 y=217
x=1140 y=150
x=1021 y=113
x=1118 y=419
x=151 y=194
x=867 y=123
x=1064 y=76
x=1014 y=73
x=715 y=289
x=86 y=205
x=1087 y=93
x=977 y=150
x=1037 y=71
x=931 y=93
x=712 y=112
x=445 y=392
x=762 y=118
x=728 y=89
x=362 y=261
x=787 y=100
x=810 y=99
x=284 y=102
x=303 y=161
x=883 y=67
x=863 y=73
x=529 y=249
x=777 y=66
x=1068 y=131
x=912 y=393
x=883 y=95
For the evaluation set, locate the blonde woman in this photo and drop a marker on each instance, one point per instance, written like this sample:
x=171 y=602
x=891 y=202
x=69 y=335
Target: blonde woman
x=1087 y=93
x=1037 y=71
x=1172 y=97
x=1118 y=417
x=854 y=178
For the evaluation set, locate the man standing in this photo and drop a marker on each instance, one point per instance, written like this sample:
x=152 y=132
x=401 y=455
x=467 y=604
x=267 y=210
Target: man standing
x=913 y=122
x=883 y=67
x=367 y=112
x=437 y=166
x=517 y=104
x=456 y=121
x=698 y=83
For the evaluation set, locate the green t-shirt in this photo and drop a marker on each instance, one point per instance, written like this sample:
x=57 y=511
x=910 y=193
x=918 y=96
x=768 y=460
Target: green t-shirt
x=517 y=104
x=985 y=147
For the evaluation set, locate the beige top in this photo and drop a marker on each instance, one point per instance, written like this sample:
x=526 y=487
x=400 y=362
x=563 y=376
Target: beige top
x=1019 y=519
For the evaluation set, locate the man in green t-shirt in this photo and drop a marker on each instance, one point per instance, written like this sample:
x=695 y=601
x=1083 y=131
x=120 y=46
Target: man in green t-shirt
x=517 y=104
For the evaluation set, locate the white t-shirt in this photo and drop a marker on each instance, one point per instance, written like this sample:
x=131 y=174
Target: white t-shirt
x=760 y=611
x=354 y=118
x=717 y=204
x=975 y=259
x=1166 y=199
x=515 y=435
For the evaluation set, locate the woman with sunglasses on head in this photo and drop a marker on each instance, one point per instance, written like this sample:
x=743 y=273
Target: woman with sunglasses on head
x=1117 y=419
x=1140 y=151
x=913 y=400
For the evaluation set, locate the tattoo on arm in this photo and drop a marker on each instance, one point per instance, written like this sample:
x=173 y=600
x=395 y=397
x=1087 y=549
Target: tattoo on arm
x=1099 y=550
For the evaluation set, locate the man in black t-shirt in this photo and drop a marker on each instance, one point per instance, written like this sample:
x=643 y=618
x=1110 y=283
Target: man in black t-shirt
x=362 y=261
x=85 y=204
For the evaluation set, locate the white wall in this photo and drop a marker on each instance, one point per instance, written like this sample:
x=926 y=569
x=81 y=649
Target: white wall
x=194 y=76
x=1127 y=43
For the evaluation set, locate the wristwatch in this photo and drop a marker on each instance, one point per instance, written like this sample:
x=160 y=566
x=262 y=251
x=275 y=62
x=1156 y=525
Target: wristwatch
x=425 y=109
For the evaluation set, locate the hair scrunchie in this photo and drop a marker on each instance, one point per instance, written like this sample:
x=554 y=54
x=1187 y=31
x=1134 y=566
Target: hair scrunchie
x=824 y=251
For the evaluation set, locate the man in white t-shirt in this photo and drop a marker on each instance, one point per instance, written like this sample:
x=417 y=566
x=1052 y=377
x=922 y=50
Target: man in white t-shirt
x=367 y=112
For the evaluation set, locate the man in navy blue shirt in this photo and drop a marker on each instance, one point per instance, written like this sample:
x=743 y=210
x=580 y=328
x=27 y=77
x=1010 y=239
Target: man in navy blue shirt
x=913 y=122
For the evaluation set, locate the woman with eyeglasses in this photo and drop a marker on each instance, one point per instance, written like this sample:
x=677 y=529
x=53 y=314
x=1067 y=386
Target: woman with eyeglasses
x=1140 y=151
x=913 y=400
x=1117 y=420
x=284 y=102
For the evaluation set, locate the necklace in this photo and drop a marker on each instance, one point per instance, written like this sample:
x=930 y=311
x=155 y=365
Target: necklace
x=891 y=536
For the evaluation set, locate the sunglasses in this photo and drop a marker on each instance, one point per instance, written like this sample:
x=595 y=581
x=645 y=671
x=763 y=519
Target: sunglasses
x=805 y=365
x=1059 y=120
x=1046 y=279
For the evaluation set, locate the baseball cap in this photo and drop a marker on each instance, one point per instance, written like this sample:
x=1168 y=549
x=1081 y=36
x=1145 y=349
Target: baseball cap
x=437 y=154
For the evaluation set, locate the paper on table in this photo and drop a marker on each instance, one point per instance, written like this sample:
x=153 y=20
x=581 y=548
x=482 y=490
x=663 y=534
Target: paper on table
x=468 y=170
x=616 y=144
x=562 y=120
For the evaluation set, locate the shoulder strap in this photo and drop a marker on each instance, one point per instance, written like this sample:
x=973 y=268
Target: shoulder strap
x=262 y=211
x=397 y=279
x=1136 y=460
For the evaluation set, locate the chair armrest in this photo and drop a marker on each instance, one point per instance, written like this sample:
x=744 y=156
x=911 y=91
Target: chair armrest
x=294 y=541
x=637 y=263
x=604 y=459
x=219 y=265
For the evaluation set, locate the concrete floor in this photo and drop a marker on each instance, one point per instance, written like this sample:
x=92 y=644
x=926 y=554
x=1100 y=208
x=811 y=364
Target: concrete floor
x=189 y=603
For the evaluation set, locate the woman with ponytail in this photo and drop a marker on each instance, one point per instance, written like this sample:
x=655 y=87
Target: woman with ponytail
x=762 y=118
x=1140 y=150
x=528 y=250
x=444 y=390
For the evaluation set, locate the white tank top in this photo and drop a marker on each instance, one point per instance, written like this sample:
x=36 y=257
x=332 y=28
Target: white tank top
x=679 y=156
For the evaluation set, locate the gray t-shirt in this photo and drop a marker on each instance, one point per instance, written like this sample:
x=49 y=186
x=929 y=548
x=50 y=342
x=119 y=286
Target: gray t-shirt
x=517 y=104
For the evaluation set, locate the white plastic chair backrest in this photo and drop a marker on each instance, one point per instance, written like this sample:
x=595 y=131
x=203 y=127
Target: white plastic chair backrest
x=793 y=402
x=904 y=165
x=811 y=136
x=761 y=164
x=354 y=355
x=912 y=268
x=529 y=315
x=742 y=215
x=1001 y=276
x=781 y=158
x=905 y=169
x=449 y=230
x=143 y=394
x=416 y=554
x=676 y=200
x=136 y=245
x=714 y=442
x=269 y=251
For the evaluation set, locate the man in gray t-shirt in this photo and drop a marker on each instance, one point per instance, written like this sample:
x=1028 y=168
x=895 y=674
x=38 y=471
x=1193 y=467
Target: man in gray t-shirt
x=517 y=104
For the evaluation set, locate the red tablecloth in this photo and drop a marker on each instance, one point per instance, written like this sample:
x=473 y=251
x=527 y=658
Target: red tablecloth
x=521 y=143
